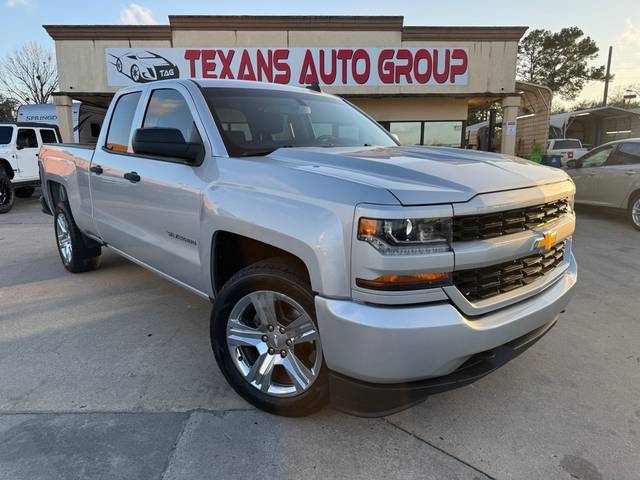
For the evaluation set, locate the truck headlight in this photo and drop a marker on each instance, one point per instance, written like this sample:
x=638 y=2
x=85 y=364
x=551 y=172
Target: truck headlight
x=408 y=236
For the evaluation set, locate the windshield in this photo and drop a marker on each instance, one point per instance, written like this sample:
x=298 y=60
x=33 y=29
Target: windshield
x=5 y=135
x=258 y=121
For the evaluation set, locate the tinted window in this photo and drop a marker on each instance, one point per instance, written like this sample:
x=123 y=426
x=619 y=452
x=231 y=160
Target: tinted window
x=27 y=138
x=5 y=135
x=566 y=144
x=168 y=109
x=121 y=121
x=627 y=154
x=48 y=136
x=267 y=119
x=597 y=157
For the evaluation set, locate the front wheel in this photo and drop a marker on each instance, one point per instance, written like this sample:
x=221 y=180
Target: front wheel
x=76 y=256
x=266 y=341
x=7 y=193
x=634 y=211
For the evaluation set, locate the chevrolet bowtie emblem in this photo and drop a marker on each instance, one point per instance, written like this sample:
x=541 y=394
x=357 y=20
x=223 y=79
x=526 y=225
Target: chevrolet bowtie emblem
x=548 y=241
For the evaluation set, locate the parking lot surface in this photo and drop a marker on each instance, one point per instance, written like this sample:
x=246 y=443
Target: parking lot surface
x=109 y=374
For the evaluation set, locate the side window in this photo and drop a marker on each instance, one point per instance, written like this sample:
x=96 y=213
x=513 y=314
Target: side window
x=168 y=109
x=48 y=136
x=627 y=154
x=121 y=121
x=597 y=158
x=27 y=138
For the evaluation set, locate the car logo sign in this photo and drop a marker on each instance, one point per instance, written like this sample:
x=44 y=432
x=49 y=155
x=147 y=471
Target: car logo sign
x=548 y=241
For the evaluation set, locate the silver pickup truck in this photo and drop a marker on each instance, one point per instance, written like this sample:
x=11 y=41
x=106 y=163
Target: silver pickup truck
x=341 y=265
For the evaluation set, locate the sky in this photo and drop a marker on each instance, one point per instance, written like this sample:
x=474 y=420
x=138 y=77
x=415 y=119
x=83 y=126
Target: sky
x=615 y=22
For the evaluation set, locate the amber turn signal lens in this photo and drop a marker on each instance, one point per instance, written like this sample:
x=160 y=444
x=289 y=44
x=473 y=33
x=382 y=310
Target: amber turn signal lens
x=406 y=282
x=368 y=227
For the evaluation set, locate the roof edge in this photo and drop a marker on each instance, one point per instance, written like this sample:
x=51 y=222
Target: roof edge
x=470 y=33
x=285 y=22
x=109 y=32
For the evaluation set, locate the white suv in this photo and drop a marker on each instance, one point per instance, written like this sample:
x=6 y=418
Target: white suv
x=19 y=147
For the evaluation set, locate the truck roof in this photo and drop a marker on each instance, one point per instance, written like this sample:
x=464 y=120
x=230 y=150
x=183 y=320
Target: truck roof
x=29 y=124
x=216 y=83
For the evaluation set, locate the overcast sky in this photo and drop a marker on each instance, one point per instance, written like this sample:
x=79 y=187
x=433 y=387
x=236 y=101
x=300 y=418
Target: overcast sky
x=614 y=22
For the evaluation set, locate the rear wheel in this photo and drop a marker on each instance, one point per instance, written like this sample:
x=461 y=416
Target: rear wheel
x=7 y=193
x=266 y=341
x=634 y=211
x=76 y=256
x=24 y=192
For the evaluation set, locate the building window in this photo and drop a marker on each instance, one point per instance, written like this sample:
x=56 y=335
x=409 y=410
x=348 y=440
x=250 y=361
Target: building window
x=442 y=134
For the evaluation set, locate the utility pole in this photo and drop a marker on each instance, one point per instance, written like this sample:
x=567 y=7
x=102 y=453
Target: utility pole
x=606 y=78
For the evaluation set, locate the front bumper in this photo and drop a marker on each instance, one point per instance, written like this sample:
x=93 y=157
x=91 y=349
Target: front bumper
x=399 y=344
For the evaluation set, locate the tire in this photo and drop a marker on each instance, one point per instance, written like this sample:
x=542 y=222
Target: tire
x=76 y=255
x=135 y=73
x=7 y=193
x=295 y=382
x=24 y=192
x=634 y=211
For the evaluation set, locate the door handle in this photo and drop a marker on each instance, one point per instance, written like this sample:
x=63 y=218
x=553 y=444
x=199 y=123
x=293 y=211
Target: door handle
x=97 y=169
x=133 y=177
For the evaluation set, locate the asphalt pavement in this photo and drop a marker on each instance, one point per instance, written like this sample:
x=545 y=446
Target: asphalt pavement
x=110 y=375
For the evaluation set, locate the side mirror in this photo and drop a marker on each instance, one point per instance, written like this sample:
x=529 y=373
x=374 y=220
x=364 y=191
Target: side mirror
x=166 y=142
x=574 y=164
x=19 y=147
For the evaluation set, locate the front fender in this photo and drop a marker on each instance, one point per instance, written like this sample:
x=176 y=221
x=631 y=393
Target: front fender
x=318 y=233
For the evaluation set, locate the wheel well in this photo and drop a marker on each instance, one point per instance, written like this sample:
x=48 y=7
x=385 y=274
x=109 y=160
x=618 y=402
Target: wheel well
x=632 y=197
x=6 y=166
x=230 y=253
x=58 y=193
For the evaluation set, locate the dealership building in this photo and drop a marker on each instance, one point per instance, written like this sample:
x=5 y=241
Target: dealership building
x=417 y=81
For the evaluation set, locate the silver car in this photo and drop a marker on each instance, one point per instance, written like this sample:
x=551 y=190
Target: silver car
x=609 y=176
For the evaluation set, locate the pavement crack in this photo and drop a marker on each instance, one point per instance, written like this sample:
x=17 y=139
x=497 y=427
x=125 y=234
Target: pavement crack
x=450 y=455
x=174 y=447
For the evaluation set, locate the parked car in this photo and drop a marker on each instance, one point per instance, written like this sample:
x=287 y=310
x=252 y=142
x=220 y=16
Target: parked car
x=609 y=176
x=568 y=148
x=19 y=146
x=340 y=264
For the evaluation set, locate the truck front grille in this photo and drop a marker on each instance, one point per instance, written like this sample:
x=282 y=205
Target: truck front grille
x=482 y=283
x=477 y=227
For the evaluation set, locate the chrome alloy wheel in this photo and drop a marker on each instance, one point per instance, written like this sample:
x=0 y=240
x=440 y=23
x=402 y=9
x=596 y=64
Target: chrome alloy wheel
x=635 y=212
x=64 y=239
x=274 y=343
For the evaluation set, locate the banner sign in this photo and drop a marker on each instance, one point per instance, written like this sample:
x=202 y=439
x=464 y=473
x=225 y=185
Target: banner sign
x=350 y=67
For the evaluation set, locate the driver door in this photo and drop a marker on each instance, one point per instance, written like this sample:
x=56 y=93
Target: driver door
x=27 y=154
x=586 y=176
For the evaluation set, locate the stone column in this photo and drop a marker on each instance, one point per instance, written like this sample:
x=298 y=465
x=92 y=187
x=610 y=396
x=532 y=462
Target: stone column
x=509 y=124
x=64 y=107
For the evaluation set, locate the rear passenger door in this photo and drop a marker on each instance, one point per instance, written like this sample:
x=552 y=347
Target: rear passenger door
x=149 y=207
x=619 y=174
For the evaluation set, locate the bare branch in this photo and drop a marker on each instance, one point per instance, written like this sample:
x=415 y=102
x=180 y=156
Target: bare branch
x=29 y=74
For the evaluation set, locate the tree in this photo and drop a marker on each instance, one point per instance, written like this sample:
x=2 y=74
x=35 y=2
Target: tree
x=29 y=74
x=7 y=109
x=559 y=60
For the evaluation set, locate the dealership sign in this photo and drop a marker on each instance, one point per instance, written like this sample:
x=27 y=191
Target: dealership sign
x=294 y=66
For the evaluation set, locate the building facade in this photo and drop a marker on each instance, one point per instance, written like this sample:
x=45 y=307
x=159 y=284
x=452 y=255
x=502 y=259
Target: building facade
x=419 y=82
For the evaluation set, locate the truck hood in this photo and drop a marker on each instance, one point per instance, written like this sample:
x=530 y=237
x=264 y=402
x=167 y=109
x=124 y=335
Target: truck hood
x=422 y=175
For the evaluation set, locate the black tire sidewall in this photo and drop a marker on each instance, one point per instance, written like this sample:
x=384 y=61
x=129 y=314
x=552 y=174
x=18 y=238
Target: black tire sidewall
x=250 y=280
x=82 y=258
x=12 y=194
